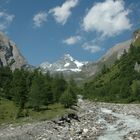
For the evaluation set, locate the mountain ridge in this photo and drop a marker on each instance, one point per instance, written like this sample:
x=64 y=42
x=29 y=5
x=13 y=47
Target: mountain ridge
x=11 y=56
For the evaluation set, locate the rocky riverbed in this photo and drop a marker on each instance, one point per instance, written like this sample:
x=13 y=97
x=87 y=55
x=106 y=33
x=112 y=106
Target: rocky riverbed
x=91 y=121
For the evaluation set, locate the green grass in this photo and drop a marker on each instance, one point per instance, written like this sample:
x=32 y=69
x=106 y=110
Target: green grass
x=137 y=42
x=8 y=112
x=51 y=112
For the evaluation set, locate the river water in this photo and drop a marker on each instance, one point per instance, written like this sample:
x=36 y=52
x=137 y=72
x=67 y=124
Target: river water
x=116 y=131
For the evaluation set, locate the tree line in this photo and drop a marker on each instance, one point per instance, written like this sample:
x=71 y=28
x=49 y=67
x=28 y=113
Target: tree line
x=34 y=89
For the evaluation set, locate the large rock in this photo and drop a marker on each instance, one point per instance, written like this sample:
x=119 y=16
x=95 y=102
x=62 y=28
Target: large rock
x=9 y=54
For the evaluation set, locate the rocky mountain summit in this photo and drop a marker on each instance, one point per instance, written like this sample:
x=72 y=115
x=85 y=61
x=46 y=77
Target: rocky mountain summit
x=91 y=121
x=9 y=54
x=65 y=64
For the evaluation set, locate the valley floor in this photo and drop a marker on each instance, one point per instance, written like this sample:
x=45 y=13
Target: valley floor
x=93 y=121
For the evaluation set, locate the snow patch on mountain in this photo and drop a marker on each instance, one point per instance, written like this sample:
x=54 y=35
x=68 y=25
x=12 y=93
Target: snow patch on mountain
x=67 y=64
x=45 y=65
x=73 y=70
x=79 y=64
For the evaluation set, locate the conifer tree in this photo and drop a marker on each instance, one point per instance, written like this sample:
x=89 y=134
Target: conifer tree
x=73 y=89
x=19 y=88
x=59 y=86
x=35 y=95
x=66 y=99
x=5 y=82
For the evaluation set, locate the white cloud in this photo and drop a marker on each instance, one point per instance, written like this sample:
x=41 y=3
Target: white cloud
x=62 y=13
x=91 y=46
x=39 y=19
x=5 y=20
x=72 y=40
x=108 y=18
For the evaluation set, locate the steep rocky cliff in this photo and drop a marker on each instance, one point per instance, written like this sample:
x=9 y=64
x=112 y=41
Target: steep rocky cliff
x=9 y=54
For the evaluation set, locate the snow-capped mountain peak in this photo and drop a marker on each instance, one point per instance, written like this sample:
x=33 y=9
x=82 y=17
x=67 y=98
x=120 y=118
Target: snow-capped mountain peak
x=65 y=64
x=45 y=65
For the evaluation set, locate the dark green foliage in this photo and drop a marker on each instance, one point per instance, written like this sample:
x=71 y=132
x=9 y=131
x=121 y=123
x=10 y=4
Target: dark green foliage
x=34 y=90
x=19 y=88
x=59 y=86
x=105 y=69
x=5 y=79
x=47 y=86
x=69 y=97
x=73 y=89
x=41 y=91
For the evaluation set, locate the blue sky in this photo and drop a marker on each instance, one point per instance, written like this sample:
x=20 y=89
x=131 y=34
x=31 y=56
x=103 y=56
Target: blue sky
x=44 y=30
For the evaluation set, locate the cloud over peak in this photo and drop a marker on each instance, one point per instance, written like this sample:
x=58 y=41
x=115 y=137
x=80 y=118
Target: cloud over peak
x=91 y=46
x=39 y=19
x=72 y=40
x=5 y=20
x=62 y=13
x=108 y=18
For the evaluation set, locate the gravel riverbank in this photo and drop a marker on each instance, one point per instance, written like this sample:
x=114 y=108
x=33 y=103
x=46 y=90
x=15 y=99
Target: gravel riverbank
x=91 y=121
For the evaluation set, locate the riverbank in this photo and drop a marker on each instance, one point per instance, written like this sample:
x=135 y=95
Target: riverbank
x=91 y=121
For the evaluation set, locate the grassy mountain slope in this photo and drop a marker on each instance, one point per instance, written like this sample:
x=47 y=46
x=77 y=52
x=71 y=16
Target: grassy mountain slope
x=120 y=83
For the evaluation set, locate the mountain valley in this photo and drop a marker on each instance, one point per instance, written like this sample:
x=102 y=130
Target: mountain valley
x=70 y=70
x=76 y=111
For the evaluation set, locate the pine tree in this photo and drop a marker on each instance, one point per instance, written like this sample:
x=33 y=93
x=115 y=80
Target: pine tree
x=59 y=86
x=35 y=95
x=19 y=88
x=73 y=89
x=104 y=69
x=5 y=82
x=66 y=99
x=47 y=93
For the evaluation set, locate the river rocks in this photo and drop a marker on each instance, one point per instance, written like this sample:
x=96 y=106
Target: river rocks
x=133 y=135
x=91 y=121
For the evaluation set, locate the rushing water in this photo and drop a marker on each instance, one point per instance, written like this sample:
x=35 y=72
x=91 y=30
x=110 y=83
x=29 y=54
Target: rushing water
x=114 y=131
